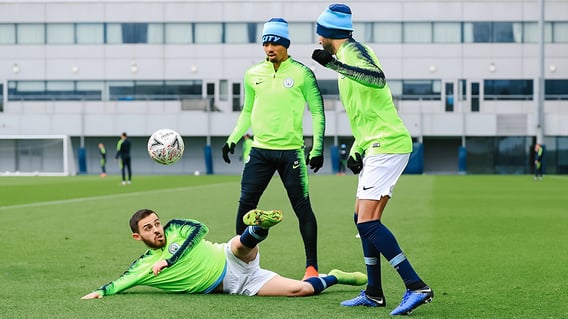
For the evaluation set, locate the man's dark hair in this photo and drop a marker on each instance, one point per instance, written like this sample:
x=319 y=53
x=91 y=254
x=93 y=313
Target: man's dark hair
x=142 y=213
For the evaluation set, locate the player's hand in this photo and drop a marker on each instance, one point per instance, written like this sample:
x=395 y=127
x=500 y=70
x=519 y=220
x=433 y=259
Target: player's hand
x=226 y=149
x=92 y=295
x=159 y=266
x=322 y=56
x=355 y=164
x=315 y=163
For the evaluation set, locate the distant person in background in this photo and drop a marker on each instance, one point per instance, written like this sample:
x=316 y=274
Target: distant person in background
x=538 y=155
x=343 y=155
x=123 y=155
x=247 y=145
x=103 y=154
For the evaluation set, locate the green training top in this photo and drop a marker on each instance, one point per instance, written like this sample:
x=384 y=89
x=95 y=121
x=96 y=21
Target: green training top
x=274 y=107
x=367 y=99
x=195 y=264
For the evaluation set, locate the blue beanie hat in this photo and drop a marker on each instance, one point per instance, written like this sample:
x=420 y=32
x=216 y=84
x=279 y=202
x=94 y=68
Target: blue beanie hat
x=335 y=22
x=276 y=31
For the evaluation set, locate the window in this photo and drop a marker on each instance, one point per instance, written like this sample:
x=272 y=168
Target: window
x=508 y=89
x=1 y=97
x=31 y=33
x=387 y=32
x=60 y=33
x=236 y=97
x=127 y=33
x=447 y=32
x=328 y=87
x=560 y=32
x=223 y=90
x=417 y=32
x=90 y=33
x=507 y=32
x=302 y=32
x=477 y=32
x=238 y=33
x=7 y=33
x=421 y=90
x=556 y=89
x=179 y=33
x=531 y=33
x=207 y=33
x=363 y=31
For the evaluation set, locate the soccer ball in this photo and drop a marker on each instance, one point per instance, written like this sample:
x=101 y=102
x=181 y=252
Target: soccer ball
x=165 y=146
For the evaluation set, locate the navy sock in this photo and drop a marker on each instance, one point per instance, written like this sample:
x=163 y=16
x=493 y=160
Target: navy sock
x=253 y=235
x=321 y=283
x=373 y=263
x=385 y=242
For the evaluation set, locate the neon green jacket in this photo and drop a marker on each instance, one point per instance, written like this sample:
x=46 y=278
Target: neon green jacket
x=367 y=99
x=195 y=264
x=274 y=107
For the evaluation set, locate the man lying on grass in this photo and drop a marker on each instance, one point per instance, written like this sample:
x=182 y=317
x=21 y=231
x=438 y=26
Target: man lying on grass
x=180 y=259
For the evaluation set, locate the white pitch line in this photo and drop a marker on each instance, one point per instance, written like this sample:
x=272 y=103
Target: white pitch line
x=86 y=199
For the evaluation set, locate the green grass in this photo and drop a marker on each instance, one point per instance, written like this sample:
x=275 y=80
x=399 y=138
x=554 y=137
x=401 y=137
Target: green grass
x=490 y=246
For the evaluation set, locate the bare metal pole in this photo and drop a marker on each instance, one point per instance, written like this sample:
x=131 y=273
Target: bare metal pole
x=540 y=85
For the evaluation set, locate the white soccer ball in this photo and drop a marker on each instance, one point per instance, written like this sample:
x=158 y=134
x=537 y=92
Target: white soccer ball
x=165 y=146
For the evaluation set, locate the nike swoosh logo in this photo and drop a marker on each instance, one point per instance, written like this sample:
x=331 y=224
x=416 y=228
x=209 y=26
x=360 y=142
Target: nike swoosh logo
x=295 y=166
x=366 y=188
x=258 y=82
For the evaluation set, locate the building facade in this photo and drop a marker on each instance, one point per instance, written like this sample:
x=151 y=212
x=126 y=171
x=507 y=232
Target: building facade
x=470 y=78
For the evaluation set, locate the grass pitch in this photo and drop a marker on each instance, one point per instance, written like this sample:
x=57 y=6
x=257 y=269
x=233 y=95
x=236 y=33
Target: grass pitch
x=489 y=246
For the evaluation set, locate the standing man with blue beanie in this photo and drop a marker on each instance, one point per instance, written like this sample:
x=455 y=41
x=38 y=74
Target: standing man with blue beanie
x=276 y=92
x=379 y=154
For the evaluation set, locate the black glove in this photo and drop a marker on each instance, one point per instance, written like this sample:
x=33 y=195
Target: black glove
x=322 y=57
x=355 y=164
x=226 y=149
x=315 y=163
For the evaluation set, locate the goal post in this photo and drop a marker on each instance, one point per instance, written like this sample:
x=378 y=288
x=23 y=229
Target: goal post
x=36 y=155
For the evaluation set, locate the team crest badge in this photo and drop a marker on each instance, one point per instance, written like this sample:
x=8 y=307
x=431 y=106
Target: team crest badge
x=288 y=82
x=173 y=247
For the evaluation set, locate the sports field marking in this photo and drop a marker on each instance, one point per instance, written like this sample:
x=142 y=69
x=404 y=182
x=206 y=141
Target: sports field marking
x=86 y=199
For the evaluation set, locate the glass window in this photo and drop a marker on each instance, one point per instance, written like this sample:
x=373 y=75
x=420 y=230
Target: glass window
x=506 y=32
x=387 y=32
x=301 y=32
x=395 y=87
x=155 y=33
x=508 y=89
x=258 y=37
x=447 y=32
x=417 y=32
x=328 y=87
x=421 y=90
x=363 y=31
x=208 y=33
x=223 y=90
x=121 y=90
x=7 y=33
x=477 y=32
x=560 y=31
x=237 y=33
x=179 y=33
x=31 y=33
x=1 y=97
x=556 y=89
x=60 y=33
x=134 y=32
x=531 y=33
x=236 y=89
x=26 y=90
x=183 y=89
x=89 y=90
x=113 y=33
x=90 y=33
x=511 y=155
x=480 y=152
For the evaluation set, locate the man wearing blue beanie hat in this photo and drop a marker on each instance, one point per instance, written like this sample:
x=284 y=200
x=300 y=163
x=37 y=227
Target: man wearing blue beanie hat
x=276 y=93
x=385 y=143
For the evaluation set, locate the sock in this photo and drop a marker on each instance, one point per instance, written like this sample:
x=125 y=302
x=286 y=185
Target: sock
x=385 y=242
x=253 y=235
x=373 y=263
x=321 y=283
